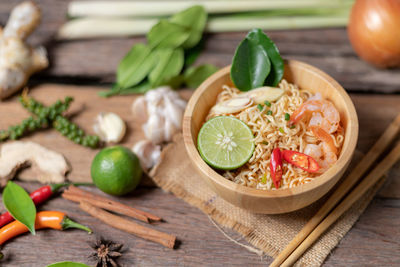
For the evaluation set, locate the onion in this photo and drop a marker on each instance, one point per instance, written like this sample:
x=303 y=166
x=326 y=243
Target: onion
x=374 y=31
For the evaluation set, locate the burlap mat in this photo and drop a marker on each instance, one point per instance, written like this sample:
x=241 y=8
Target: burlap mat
x=270 y=233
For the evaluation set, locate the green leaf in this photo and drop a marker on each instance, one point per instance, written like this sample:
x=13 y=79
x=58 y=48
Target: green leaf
x=194 y=76
x=277 y=64
x=67 y=264
x=169 y=65
x=135 y=66
x=143 y=87
x=166 y=34
x=195 y=19
x=250 y=64
x=20 y=205
x=175 y=82
x=193 y=53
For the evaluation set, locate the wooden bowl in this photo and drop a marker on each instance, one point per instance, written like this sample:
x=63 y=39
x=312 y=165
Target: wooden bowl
x=272 y=201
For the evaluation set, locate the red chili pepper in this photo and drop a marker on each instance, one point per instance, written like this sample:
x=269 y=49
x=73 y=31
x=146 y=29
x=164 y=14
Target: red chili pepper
x=303 y=161
x=38 y=196
x=275 y=166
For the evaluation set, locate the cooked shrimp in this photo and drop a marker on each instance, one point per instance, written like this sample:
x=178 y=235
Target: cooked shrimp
x=323 y=136
x=323 y=114
x=322 y=153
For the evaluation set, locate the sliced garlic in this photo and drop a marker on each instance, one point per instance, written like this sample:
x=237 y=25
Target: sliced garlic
x=262 y=94
x=148 y=153
x=110 y=127
x=232 y=105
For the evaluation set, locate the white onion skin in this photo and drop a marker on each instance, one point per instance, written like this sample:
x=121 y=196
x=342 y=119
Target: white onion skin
x=374 y=31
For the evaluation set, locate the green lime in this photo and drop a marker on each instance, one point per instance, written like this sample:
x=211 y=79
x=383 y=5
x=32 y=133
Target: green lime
x=225 y=142
x=116 y=170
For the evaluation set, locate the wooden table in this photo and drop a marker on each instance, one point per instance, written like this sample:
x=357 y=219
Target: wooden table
x=373 y=241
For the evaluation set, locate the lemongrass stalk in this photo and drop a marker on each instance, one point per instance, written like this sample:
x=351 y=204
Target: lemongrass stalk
x=106 y=27
x=87 y=28
x=164 y=8
x=275 y=23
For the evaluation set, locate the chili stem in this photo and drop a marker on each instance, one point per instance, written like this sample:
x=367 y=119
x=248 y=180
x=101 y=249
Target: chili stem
x=68 y=223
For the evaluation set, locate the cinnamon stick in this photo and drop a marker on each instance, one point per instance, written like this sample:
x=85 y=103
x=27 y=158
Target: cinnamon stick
x=108 y=205
x=74 y=193
x=116 y=221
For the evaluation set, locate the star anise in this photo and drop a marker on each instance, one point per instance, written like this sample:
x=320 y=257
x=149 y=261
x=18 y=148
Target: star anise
x=106 y=252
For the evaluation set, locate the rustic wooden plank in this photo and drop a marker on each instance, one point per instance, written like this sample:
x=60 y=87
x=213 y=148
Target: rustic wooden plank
x=199 y=237
x=86 y=106
x=374 y=240
x=96 y=60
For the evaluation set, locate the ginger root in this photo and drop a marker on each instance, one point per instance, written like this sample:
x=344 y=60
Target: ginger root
x=18 y=60
x=51 y=166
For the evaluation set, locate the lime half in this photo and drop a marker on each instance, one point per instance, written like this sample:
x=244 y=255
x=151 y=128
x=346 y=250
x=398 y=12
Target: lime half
x=225 y=143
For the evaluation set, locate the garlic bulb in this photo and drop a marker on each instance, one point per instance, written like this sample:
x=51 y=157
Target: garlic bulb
x=162 y=110
x=110 y=127
x=148 y=153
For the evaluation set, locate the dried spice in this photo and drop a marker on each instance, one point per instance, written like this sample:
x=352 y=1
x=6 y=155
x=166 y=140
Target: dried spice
x=106 y=252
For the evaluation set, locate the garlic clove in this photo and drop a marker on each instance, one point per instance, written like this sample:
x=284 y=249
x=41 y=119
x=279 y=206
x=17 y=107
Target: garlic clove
x=173 y=112
x=139 y=109
x=169 y=130
x=232 y=105
x=262 y=94
x=180 y=103
x=110 y=127
x=154 y=129
x=148 y=153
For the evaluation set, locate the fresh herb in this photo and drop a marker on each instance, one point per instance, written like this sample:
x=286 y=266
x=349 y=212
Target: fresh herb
x=67 y=264
x=166 y=34
x=194 y=19
x=250 y=64
x=135 y=66
x=169 y=64
x=264 y=178
x=20 y=205
x=106 y=252
x=260 y=107
x=265 y=143
x=267 y=103
x=256 y=62
x=292 y=126
x=269 y=112
x=162 y=60
x=194 y=76
x=281 y=130
x=287 y=116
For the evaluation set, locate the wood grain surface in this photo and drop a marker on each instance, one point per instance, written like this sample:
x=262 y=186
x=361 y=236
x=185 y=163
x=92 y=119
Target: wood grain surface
x=95 y=61
x=373 y=241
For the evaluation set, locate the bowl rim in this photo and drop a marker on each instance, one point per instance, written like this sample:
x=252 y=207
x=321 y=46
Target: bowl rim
x=202 y=166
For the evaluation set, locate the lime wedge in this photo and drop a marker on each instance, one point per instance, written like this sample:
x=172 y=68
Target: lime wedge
x=225 y=143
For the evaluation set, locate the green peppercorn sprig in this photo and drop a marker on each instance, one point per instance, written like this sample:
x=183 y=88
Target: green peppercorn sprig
x=74 y=133
x=28 y=125
x=67 y=128
x=43 y=117
x=32 y=123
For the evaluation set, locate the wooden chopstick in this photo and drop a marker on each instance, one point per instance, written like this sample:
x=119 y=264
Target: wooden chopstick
x=378 y=148
x=369 y=181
